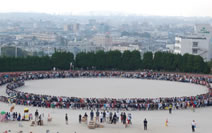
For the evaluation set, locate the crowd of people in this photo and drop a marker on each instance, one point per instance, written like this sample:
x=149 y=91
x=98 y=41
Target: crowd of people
x=109 y=117
x=13 y=116
x=16 y=80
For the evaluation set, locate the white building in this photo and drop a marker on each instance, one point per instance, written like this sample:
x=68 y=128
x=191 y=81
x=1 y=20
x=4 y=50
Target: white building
x=51 y=37
x=124 y=48
x=198 y=44
x=102 y=40
x=170 y=48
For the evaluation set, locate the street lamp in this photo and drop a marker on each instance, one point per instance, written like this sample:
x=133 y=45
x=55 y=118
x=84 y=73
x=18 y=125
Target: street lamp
x=71 y=66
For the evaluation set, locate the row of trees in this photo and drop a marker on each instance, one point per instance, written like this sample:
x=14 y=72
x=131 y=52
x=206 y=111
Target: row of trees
x=160 y=61
x=60 y=60
x=111 y=60
x=164 y=61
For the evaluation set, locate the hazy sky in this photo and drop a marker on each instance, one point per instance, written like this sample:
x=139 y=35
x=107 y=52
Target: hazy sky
x=143 y=7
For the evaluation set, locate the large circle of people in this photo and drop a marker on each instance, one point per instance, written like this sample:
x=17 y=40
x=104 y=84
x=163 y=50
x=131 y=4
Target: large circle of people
x=15 y=80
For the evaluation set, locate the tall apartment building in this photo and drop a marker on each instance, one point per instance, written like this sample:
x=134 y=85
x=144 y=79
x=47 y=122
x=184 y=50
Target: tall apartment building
x=67 y=27
x=104 y=40
x=200 y=43
x=76 y=27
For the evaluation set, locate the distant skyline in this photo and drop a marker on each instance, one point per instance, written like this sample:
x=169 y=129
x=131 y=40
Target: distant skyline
x=185 y=8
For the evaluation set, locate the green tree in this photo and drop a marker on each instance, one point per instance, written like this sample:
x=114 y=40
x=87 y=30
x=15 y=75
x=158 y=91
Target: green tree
x=113 y=60
x=126 y=64
x=100 y=60
x=148 y=60
x=135 y=60
x=62 y=60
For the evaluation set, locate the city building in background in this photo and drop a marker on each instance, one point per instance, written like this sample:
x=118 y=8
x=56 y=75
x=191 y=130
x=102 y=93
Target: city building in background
x=40 y=34
x=200 y=43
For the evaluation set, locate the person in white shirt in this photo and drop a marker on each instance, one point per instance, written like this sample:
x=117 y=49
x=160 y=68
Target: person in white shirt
x=193 y=125
x=117 y=115
x=107 y=116
x=101 y=117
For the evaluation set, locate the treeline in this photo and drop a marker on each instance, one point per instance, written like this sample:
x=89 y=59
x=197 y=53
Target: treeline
x=160 y=61
x=111 y=60
x=60 y=60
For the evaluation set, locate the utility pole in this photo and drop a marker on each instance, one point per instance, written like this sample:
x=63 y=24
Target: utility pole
x=16 y=51
x=48 y=50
